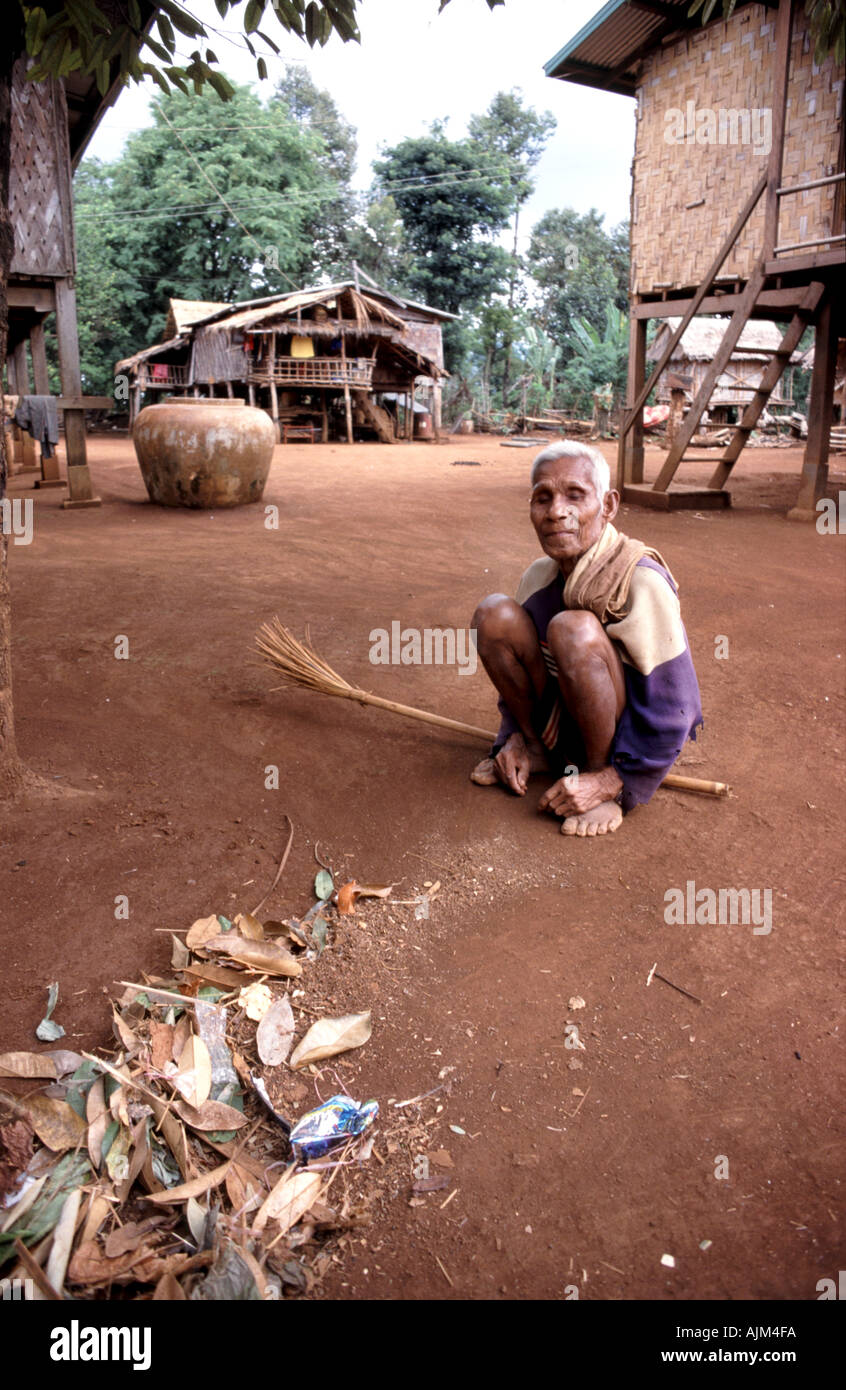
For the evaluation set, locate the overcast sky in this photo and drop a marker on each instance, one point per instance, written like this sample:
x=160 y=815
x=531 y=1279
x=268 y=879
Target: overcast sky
x=415 y=66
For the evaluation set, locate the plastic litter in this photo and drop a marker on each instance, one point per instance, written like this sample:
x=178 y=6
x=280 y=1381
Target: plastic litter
x=337 y=1119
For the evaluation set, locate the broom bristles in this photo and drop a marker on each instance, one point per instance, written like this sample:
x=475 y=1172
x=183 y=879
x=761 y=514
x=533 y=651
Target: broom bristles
x=298 y=662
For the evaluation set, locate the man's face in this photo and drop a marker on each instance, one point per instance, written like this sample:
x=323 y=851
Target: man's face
x=566 y=512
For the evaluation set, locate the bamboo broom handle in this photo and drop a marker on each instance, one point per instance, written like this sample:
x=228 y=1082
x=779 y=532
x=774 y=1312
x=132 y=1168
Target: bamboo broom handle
x=680 y=783
x=367 y=699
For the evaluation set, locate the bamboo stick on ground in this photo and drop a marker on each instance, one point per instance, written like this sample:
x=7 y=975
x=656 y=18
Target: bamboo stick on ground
x=300 y=664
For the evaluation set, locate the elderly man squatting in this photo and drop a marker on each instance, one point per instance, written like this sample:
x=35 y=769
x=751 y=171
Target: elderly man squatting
x=590 y=659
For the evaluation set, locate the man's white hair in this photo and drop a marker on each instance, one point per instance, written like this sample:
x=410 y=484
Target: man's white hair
x=571 y=449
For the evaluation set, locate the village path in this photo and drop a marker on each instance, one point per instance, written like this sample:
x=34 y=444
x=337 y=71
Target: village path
x=565 y=1176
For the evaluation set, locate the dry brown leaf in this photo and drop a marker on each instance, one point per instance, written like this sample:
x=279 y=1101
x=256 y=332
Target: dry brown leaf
x=97 y=1115
x=275 y=1033
x=169 y=1288
x=55 y=1123
x=249 y=926
x=90 y=1265
x=64 y=1059
x=27 y=1064
x=123 y=1032
x=204 y=1183
x=137 y=1161
x=180 y=954
x=289 y=1201
x=181 y=1034
x=346 y=897
x=211 y=1115
x=193 y=1080
x=242 y=1189
x=329 y=1036
x=202 y=931
x=63 y=1235
x=117 y=1105
x=161 y=1044
x=216 y=975
x=98 y=1210
x=374 y=890
x=130 y=1236
x=263 y=956
x=172 y=1132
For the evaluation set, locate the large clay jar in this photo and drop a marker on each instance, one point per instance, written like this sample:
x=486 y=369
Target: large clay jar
x=203 y=453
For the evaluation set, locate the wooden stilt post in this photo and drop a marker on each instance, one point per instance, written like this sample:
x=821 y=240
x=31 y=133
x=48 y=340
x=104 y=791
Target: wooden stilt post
x=324 y=410
x=79 y=478
x=814 y=478
x=347 y=401
x=437 y=393
x=274 y=399
x=50 y=475
x=630 y=451
x=251 y=393
x=15 y=457
x=781 y=71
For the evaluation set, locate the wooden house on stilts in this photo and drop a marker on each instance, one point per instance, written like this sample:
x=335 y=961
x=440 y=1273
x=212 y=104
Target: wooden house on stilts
x=323 y=362
x=737 y=210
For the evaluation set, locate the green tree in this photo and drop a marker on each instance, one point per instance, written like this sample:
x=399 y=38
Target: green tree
x=597 y=357
x=453 y=198
x=516 y=136
x=540 y=357
x=578 y=268
x=377 y=243
x=313 y=110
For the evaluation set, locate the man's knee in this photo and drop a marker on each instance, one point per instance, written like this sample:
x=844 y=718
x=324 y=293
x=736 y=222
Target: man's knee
x=496 y=617
x=573 y=633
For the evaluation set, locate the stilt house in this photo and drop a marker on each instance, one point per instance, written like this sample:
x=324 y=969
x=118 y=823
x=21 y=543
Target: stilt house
x=323 y=362
x=737 y=209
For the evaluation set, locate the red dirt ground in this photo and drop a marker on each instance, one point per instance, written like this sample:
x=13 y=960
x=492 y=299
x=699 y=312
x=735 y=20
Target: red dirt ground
x=566 y=1175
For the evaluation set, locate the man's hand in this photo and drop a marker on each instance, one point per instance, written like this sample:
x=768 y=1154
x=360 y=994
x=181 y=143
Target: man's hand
x=514 y=762
x=579 y=792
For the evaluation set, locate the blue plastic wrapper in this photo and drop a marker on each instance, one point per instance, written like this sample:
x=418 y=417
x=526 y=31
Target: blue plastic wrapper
x=336 y=1119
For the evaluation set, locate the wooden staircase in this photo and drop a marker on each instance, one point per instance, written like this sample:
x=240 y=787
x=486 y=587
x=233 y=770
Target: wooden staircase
x=659 y=493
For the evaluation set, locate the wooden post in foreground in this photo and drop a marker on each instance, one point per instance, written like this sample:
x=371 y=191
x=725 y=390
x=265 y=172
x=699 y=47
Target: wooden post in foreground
x=79 y=478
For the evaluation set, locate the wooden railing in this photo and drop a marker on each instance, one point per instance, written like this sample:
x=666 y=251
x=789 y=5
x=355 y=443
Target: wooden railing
x=315 y=371
x=168 y=376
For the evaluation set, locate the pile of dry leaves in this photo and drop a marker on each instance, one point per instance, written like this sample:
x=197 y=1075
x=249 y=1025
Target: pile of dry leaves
x=164 y=1169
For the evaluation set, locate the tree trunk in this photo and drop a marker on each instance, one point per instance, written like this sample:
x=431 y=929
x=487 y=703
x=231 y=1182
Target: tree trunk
x=11 y=770
x=512 y=287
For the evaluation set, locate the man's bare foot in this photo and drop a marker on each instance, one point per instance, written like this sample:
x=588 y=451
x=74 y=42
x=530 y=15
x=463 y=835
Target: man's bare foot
x=600 y=821
x=484 y=774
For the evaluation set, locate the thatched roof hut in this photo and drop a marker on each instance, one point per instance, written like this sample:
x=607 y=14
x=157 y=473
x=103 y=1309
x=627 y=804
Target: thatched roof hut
x=741 y=378
x=304 y=355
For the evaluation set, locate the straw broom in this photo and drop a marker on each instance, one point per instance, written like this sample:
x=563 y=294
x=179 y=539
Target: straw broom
x=300 y=664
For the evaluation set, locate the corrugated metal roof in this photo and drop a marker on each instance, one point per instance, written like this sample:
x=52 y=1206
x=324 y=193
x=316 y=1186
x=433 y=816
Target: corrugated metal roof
x=604 y=53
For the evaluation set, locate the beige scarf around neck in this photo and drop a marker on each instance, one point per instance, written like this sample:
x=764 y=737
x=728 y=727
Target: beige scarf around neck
x=602 y=576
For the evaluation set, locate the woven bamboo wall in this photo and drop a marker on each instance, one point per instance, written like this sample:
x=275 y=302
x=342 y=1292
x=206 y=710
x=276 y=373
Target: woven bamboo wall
x=39 y=178
x=727 y=66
